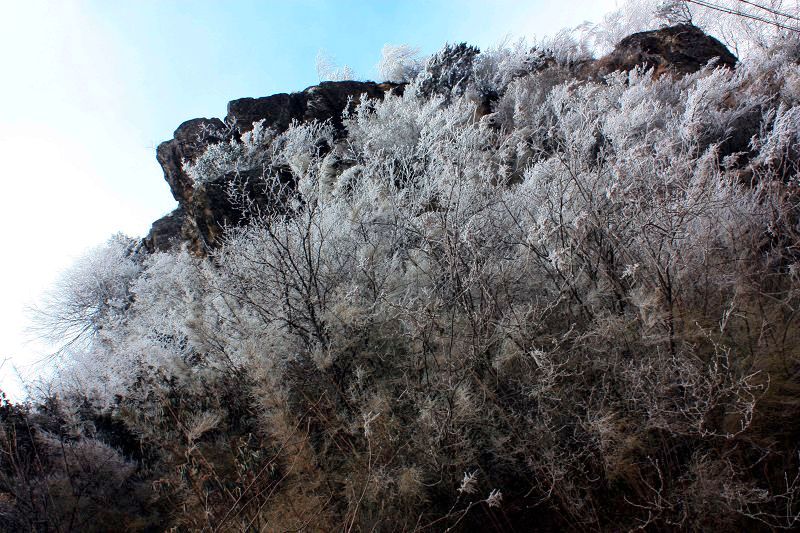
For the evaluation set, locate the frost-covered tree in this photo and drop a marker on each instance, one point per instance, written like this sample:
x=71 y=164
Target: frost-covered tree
x=399 y=63
x=448 y=71
x=328 y=69
x=91 y=295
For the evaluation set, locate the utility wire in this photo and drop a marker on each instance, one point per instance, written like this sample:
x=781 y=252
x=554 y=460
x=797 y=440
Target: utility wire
x=736 y=12
x=731 y=11
x=771 y=10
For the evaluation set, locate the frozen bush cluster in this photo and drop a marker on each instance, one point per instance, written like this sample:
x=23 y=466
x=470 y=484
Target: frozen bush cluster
x=582 y=305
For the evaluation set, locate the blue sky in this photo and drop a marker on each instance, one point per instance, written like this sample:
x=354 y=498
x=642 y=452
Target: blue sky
x=91 y=87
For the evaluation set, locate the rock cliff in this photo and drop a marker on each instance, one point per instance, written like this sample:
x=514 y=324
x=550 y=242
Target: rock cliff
x=679 y=50
x=202 y=214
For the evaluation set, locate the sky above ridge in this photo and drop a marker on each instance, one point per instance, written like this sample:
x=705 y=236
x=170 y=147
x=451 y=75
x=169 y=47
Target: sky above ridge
x=90 y=88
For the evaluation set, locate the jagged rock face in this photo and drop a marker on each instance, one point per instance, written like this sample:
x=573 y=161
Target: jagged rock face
x=189 y=141
x=680 y=49
x=166 y=232
x=276 y=110
x=325 y=101
x=202 y=215
x=204 y=212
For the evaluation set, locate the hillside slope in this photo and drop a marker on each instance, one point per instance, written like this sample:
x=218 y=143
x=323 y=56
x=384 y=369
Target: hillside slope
x=522 y=290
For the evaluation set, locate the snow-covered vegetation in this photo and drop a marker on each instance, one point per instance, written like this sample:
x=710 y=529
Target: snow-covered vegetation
x=574 y=311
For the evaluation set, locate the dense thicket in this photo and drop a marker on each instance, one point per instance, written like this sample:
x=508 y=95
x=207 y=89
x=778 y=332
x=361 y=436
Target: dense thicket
x=578 y=311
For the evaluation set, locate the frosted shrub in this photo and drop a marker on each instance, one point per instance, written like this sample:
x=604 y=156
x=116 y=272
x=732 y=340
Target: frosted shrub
x=328 y=70
x=399 y=63
x=448 y=71
x=93 y=294
x=498 y=66
x=579 y=309
x=232 y=156
x=300 y=148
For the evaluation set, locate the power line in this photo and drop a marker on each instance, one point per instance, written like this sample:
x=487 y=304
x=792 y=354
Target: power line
x=771 y=10
x=731 y=11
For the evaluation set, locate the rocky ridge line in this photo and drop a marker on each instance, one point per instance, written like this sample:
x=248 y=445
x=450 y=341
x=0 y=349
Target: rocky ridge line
x=203 y=213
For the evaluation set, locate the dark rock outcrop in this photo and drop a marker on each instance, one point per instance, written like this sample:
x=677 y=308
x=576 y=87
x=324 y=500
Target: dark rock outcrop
x=325 y=101
x=201 y=216
x=189 y=141
x=166 y=233
x=680 y=50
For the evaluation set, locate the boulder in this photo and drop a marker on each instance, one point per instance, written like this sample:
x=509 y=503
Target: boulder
x=680 y=50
